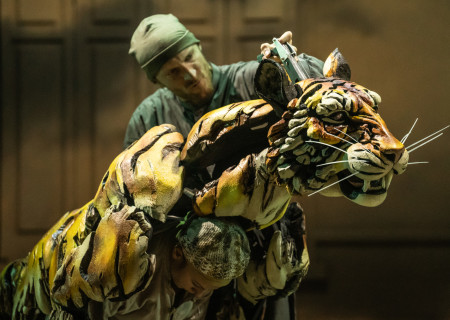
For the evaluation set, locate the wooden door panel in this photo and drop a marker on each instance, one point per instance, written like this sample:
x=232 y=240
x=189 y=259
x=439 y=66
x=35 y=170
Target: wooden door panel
x=111 y=104
x=107 y=12
x=38 y=13
x=254 y=22
x=36 y=106
x=108 y=86
x=40 y=133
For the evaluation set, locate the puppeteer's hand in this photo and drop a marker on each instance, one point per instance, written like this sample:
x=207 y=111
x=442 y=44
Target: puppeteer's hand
x=267 y=47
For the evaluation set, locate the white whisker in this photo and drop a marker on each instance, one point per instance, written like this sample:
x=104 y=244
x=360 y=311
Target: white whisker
x=347 y=135
x=410 y=130
x=427 y=137
x=341 y=161
x=421 y=145
x=418 y=162
x=353 y=140
x=328 y=145
x=339 y=138
x=332 y=184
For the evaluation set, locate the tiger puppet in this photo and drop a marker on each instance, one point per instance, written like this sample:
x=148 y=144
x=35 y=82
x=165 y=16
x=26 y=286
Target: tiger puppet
x=318 y=135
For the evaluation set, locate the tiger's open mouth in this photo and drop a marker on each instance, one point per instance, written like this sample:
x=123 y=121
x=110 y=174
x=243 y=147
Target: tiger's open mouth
x=354 y=186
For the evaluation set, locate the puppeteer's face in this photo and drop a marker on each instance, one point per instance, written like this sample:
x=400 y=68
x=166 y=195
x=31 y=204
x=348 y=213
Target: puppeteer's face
x=186 y=277
x=188 y=75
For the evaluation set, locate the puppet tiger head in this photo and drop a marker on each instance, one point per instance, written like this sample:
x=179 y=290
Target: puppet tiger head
x=331 y=137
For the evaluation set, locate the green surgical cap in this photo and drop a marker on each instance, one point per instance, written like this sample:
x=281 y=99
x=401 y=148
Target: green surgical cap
x=157 y=39
x=217 y=248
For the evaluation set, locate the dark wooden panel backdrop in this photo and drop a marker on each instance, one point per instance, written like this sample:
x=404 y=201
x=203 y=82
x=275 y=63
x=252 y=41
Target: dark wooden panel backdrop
x=68 y=88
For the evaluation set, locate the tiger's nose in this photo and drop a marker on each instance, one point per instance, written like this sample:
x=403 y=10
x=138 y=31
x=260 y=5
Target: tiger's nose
x=392 y=149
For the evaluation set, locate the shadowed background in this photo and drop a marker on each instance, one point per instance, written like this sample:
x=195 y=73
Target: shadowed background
x=68 y=89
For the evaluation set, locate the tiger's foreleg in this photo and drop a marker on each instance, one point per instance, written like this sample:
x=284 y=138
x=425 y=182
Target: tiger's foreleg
x=245 y=190
x=235 y=137
x=279 y=258
x=112 y=263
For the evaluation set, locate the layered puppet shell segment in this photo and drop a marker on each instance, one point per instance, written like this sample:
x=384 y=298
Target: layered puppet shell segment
x=244 y=188
x=147 y=175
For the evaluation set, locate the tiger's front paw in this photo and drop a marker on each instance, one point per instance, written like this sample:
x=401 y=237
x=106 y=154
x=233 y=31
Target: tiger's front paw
x=111 y=263
x=120 y=249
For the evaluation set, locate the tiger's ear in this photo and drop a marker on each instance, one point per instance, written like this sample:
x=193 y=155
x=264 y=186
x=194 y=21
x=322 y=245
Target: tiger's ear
x=273 y=85
x=336 y=66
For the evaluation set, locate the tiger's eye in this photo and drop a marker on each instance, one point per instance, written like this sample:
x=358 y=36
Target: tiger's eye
x=335 y=118
x=339 y=116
